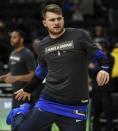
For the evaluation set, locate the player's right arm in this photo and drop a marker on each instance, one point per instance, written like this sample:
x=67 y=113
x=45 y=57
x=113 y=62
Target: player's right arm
x=40 y=74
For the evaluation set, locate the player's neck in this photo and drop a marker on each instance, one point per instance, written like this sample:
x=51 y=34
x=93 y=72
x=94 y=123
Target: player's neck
x=19 y=48
x=58 y=35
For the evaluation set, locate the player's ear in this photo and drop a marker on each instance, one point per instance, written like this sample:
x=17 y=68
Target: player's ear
x=44 y=23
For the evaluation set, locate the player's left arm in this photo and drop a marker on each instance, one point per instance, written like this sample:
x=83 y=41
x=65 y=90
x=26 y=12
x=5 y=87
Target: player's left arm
x=98 y=56
x=103 y=67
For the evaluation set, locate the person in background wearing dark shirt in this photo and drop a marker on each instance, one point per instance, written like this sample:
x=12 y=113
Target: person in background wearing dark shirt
x=35 y=46
x=63 y=60
x=21 y=64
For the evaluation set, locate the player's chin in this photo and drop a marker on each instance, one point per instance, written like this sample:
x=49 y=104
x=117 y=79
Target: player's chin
x=57 y=31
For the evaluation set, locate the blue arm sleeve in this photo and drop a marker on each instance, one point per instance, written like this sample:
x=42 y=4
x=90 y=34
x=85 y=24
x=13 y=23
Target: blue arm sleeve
x=101 y=59
x=41 y=71
x=40 y=74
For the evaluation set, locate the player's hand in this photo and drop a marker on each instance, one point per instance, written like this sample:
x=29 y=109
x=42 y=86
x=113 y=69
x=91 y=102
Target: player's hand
x=22 y=95
x=102 y=78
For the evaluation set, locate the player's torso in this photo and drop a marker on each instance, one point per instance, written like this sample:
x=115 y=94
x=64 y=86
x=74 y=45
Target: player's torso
x=66 y=62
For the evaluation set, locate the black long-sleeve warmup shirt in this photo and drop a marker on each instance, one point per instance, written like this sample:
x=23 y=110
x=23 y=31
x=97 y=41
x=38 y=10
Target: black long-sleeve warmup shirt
x=66 y=59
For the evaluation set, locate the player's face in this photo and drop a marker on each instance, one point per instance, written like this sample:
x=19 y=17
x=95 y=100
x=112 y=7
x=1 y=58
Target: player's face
x=54 y=23
x=15 y=39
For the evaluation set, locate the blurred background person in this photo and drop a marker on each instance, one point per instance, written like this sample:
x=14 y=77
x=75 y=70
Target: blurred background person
x=35 y=46
x=21 y=64
x=100 y=36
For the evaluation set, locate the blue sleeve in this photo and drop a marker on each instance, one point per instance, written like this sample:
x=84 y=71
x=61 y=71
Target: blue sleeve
x=101 y=59
x=41 y=71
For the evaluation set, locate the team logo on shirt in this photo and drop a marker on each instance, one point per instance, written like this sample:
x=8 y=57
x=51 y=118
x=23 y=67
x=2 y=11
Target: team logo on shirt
x=60 y=46
x=14 y=59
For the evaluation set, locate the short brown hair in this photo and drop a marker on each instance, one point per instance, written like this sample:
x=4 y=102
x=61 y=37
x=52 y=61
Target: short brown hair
x=51 y=8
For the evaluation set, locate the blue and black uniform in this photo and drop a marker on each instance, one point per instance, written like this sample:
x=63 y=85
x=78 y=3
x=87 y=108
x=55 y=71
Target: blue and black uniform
x=64 y=62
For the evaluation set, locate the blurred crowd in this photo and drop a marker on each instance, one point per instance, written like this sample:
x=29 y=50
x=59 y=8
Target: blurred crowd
x=99 y=17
